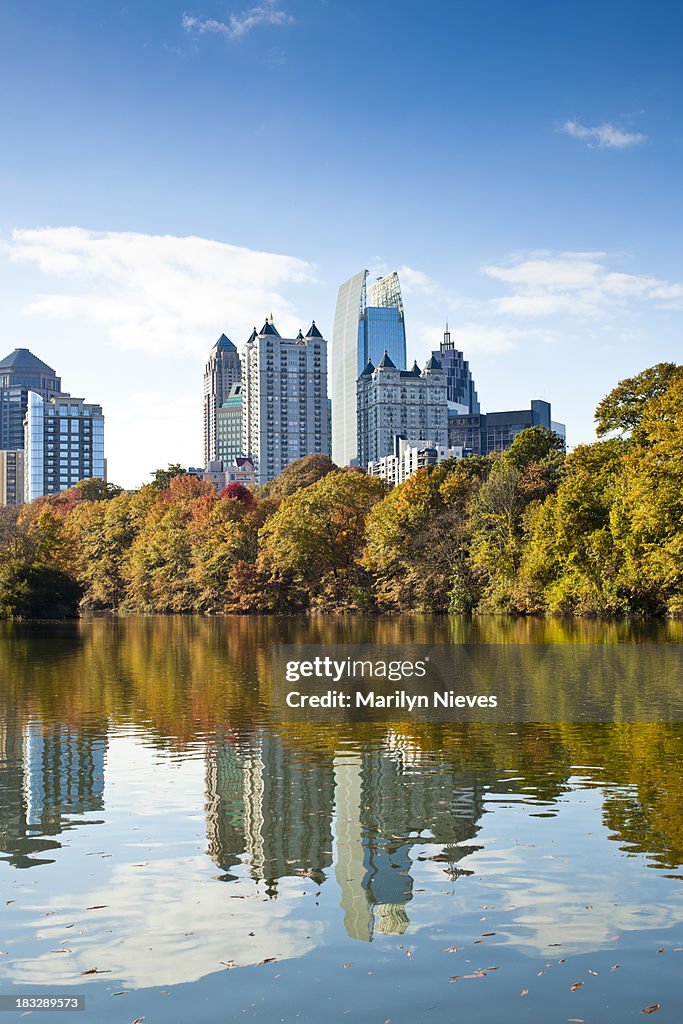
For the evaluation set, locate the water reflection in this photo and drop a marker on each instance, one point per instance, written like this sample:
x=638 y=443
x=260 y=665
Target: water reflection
x=374 y=821
x=49 y=772
x=264 y=803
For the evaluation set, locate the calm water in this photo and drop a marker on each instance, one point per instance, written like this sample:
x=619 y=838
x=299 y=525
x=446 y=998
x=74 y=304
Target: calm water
x=160 y=827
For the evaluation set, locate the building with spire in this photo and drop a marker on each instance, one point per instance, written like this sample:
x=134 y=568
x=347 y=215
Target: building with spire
x=394 y=403
x=284 y=398
x=222 y=370
x=368 y=322
x=461 y=393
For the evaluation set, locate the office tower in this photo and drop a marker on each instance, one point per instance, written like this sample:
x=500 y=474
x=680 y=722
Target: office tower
x=495 y=431
x=21 y=372
x=409 y=404
x=284 y=398
x=64 y=443
x=367 y=323
x=462 y=397
x=229 y=426
x=222 y=370
x=11 y=477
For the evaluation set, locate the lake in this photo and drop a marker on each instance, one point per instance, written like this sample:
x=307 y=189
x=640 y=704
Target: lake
x=174 y=851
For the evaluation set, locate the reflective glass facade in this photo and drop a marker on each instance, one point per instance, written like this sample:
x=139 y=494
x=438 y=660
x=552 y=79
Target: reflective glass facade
x=381 y=329
x=368 y=322
x=34 y=447
x=64 y=443
x=229 y=427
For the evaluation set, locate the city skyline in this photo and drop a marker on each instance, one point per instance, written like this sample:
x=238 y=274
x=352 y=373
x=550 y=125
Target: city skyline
x=152 y=202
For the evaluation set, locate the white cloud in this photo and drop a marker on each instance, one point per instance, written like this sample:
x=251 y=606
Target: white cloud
x=576 y=284
x=238 y=25
x=417 y=281
x=602 y=136
x=159 y=293
x=471 y=338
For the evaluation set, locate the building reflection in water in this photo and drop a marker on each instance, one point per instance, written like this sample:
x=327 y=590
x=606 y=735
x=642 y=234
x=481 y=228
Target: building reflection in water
x=274 y=810
x=270 y=807
x=48 y=773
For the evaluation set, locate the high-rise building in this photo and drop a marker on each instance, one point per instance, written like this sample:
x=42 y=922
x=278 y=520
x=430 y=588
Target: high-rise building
x=284 y=398
x=409 y=404
x=11 y=477
x=367 y=323
x=495 y=431
x=64 y=443
x=222 y=370
x=461 y=394
x=21 y=372
x=229 y=426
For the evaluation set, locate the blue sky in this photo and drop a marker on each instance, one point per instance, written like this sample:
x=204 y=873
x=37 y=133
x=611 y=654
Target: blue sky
x=170 y=171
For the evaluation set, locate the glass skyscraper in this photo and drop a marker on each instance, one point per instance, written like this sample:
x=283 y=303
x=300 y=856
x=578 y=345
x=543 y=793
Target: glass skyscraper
x=462 y=396
x=368 y=322
x=64 y=443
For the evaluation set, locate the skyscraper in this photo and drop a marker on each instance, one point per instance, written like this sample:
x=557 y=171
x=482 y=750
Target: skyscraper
x=462 y=397
x=21 y=372
x=284 y=398
x=64 y=443
x=11 y=476
x=409 y=404
x=222 y=370
x=229 y=426
x=368 y=322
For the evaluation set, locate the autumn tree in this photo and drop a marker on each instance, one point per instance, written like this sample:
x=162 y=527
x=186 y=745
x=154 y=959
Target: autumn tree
x=298 y=474
x=622 y=409
x=313 y=542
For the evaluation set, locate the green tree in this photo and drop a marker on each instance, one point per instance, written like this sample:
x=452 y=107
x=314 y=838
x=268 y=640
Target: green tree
x=623 y=408
x=313 y=542
x=534 y=445
x=298 y=474
x=161 y=478
x=418 y=540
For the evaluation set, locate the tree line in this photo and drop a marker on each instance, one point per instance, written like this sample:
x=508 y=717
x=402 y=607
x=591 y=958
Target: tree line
x=530 y=531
